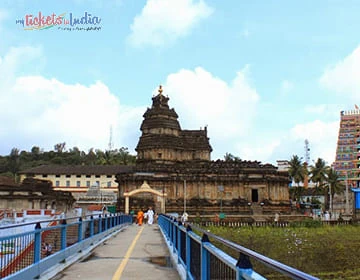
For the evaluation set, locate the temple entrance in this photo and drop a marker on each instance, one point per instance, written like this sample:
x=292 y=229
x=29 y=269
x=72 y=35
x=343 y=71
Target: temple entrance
x=254 y=195
x=145 y=188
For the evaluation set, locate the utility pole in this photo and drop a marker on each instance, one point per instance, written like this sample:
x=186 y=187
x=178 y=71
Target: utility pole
x=184 y=196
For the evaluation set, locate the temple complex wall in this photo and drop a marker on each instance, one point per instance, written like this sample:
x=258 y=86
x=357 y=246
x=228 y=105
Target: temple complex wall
x=206 y=187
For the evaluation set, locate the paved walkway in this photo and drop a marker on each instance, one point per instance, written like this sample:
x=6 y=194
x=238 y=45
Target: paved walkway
x=137 y=252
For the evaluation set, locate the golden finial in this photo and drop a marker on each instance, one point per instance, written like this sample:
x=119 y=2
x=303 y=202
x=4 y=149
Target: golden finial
x=160 y=90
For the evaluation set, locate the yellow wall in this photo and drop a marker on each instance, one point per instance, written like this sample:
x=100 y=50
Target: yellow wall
x=83 y=179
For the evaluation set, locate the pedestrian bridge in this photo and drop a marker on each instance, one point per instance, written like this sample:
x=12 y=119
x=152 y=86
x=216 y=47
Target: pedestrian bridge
x=112 y=247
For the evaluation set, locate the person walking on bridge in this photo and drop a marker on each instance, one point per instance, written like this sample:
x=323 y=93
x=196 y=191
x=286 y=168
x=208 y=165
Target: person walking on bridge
x=150 y=216
x=140 y=217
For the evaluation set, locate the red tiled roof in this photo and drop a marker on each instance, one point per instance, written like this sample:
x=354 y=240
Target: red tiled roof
x=95 y=207
x=78 y=169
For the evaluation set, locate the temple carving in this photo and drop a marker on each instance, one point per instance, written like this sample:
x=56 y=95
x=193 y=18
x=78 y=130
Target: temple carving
x=178 y=162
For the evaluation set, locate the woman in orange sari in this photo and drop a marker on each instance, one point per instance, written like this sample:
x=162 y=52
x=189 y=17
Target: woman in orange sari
x=140 y=217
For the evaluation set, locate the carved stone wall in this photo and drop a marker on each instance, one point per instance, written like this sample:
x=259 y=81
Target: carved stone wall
x=240 y=183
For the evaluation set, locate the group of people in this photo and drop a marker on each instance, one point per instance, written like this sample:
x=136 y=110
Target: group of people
x=149 y=215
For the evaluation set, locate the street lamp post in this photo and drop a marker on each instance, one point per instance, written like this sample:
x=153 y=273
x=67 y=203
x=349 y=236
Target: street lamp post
x=221 y=190
x=184 y=196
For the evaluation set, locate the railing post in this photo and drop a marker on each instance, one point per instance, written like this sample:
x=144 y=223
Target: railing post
x=174 y=235
x=63 y=234
x=37 y=243
x=80 y=230
x=106 y=223
x=188 y=250
x=179 y=240
x=100 y=223
x=170 y=231
x=205 y=258
x=243 y=266
x=91 y=226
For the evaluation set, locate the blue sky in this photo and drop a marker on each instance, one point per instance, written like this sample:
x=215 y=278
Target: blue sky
x=262 y=75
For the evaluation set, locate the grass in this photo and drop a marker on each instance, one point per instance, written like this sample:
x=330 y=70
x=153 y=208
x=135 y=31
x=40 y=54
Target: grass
x=327 y=252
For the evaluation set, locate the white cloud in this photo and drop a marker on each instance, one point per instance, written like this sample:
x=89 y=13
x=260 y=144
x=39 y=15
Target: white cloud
x=286 y=86
x=202 y=99
x=39 y=111
x=343 y=77
x=325 y=110
x=322 y=137
x=163 y=21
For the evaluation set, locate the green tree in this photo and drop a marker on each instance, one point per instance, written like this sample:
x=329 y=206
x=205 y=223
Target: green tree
x=334 y=183
x=60 y=147
x=318 y=173
x=35 y=152
x=14 y=161
x=91 y=157
x=297 y=171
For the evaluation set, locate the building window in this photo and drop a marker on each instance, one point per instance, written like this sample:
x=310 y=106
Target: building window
x=57 y=176
x=57 y=183
x=108 y=176
x=68 y=183
x=98 y=183
x=44 y=175
x=109 y=184
x=68 y=176
x=88 y=176
x=78 y=176
x=88 y=184
x=78 y=183
x=97 y=176
x=159 y=155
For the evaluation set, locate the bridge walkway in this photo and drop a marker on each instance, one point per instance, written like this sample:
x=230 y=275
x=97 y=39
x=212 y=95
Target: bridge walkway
x=137 y=252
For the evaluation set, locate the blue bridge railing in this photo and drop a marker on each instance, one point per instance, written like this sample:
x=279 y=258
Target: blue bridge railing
x=23 y=246
x=198 y=258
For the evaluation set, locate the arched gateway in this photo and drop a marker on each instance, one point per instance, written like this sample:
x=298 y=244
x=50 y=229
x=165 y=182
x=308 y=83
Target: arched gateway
x=144 y=188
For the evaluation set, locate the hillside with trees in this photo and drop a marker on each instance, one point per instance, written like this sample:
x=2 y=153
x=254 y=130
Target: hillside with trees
x=18 y=160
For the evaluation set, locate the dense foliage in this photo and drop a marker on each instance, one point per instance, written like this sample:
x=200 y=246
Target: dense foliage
x=327 y=181
x=18 y=160
x=327 y=252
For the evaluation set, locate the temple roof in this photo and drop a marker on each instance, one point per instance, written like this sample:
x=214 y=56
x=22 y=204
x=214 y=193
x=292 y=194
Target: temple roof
x=160 y=115
x=77 y=169
x=187 y=140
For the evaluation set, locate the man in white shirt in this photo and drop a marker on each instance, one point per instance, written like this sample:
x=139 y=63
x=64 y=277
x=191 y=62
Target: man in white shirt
x=150 y=216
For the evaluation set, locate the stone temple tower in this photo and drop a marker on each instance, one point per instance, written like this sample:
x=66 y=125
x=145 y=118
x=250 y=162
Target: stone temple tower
x=164 y=141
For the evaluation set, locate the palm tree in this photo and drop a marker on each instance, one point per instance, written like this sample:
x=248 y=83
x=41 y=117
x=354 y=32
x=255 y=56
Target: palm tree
x=296 y=170
x=335 y=184
x=319 y=173
x=297 y=174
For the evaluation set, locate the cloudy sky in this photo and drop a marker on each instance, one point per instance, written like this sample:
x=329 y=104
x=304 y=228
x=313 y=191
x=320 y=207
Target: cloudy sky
x=262 y=75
